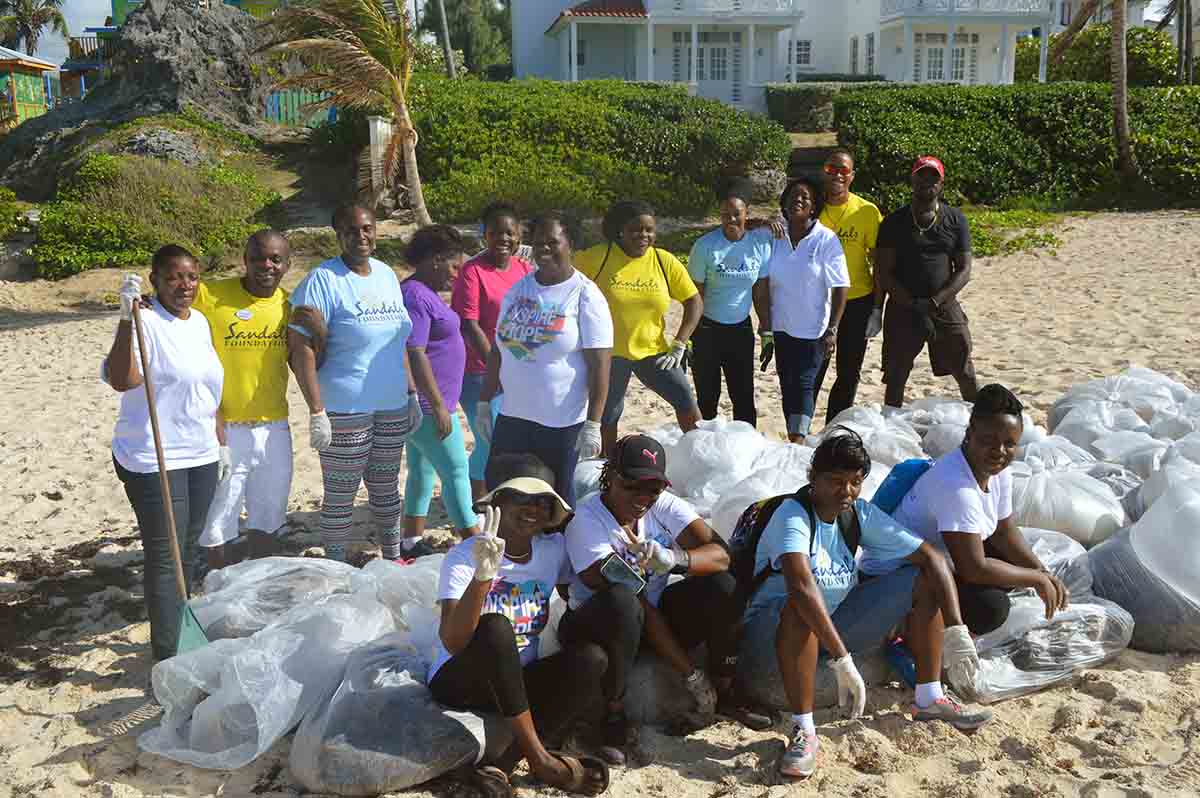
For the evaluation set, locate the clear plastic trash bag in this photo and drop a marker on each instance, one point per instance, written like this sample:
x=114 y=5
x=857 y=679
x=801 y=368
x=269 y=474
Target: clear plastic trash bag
x=941 y=439
x=1056 y=453
x=1145 y=398
x=227 y=703
x=713 y=457
x=1094 y=419
x=587 y=477
x=382 y=731
x=1137 y=451
x=762 y=484
x=241 y=599
x=410 y=593
x=1167 y=539
x=1175 y=470
x=1125 y=485
x=1070 y=502
x=1179 y=392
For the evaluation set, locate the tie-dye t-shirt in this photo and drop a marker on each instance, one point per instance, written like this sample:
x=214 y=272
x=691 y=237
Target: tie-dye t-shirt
x=520 y=592
x=542 y=332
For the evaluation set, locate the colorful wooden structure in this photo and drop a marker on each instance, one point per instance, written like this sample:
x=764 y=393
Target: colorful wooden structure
x=23 y=84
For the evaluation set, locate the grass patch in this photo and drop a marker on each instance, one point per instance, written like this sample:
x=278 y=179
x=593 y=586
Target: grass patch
x=1006 y=232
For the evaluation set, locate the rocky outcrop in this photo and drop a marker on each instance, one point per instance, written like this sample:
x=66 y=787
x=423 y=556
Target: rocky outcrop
x=171 y=55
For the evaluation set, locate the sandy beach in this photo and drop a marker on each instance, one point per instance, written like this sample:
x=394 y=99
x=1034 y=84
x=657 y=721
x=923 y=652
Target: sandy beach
x=74 y=652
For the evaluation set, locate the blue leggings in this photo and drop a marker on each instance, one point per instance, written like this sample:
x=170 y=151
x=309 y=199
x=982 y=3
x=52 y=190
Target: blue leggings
x=448 y=458
x=471 y=388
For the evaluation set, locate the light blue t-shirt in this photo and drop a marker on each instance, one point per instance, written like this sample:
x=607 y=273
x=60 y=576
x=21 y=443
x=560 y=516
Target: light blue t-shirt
x=832 y=564
x=729 y=270
x=368 y=327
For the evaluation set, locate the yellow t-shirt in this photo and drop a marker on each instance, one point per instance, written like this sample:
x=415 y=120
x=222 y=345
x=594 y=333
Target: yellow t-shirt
x=639 y=292
x=250 y=336
x=857 y=226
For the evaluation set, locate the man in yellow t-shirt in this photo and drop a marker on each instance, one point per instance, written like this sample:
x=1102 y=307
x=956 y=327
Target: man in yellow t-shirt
x=856 y=222
x=639 y=281
x=249 y=318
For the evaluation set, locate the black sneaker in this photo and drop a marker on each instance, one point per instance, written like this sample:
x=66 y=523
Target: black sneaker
x=733 y=707
x=421 y=548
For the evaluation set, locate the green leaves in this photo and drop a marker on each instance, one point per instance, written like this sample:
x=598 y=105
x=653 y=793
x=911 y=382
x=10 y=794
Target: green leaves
x=1150 y=54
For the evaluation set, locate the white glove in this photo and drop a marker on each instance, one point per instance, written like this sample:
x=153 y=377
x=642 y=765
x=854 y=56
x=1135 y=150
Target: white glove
x=875 y=323
x=488 y=550
x=483 y=421
x=415 y=414
x=320 y=433
x=224 y=463
x=701 y=688
x=130 y=295
x=851 y=689
x=589 y=444
x=673 y=358
x=959 y=658
x=654 y=556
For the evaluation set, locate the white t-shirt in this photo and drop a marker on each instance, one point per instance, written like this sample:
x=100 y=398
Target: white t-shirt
x=801 y=280
x=520 y=592
x=594 y=534
x=947 y=498
x=542 y=332
x=187 y=378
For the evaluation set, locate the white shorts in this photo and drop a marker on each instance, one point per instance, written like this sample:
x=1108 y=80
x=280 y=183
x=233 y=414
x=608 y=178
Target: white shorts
x=261 y=481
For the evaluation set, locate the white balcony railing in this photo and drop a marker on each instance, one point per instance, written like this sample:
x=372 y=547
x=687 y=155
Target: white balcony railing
x=890 y=9
x=661 y=8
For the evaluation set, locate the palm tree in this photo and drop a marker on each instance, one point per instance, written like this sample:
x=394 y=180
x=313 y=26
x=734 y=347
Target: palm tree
x=359 y=56
x=447 y=50
x=1180 y=11
x=1126 y=163
x=24 y=21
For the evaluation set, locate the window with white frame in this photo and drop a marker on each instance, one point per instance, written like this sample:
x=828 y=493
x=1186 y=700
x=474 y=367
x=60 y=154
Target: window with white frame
x=958 y=64
x=581 y=52
x=853 y=55
x=803 y=52
x=1066 y=12
x=718 y=63
x=681 y=57
x=870 y=70
x=935 y=56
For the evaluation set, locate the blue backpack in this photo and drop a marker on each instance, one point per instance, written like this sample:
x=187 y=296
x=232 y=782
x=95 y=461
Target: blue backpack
x=898 y=483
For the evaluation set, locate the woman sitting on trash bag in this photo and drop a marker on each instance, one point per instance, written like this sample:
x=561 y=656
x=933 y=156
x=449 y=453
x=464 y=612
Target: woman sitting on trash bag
x=624 y=542
x=495 y=591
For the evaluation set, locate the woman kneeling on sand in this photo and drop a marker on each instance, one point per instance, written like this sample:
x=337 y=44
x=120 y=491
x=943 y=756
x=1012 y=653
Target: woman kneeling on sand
x=495 y=591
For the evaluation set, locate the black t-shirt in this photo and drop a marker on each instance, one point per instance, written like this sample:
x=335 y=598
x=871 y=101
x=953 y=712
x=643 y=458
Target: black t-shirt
x=923 y=259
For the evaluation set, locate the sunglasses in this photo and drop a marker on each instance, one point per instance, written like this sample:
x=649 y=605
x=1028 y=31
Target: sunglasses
x=844 y=171
x=544 y=503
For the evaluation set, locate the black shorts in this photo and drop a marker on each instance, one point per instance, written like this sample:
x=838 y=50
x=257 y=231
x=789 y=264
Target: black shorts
x=904 y=336
x=984 y=607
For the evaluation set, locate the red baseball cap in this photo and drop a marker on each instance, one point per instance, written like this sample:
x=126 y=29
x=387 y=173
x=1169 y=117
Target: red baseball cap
x=929 y=161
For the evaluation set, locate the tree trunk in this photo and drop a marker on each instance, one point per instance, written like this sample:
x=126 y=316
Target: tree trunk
x=1190 y=45
x=447 y=51
x=408 y=151
x=1078 y=23
x=1126 y=164
x=1180 y=42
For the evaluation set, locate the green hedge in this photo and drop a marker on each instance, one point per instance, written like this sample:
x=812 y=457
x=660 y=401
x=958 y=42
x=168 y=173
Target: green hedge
x=1052 y=141
x=579 y=146
x=1150 y=56
x=808 y=107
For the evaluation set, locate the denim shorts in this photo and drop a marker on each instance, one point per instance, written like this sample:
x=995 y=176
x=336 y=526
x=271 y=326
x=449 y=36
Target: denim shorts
x=672 y=385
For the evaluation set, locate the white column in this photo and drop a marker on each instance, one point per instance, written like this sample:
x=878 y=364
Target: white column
x=910 y=51
x=795 y=56
x=1044 y=55
x=949 y=53
x=695 y=54
x=751 y=54
x=574 y=52
x=1002 y=71
x=650 y=51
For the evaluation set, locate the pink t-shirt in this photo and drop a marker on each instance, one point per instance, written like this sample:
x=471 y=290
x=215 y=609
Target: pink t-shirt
x=477 y=294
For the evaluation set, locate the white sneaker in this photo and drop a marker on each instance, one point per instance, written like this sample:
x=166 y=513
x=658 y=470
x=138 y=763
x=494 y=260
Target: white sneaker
x=800 y=758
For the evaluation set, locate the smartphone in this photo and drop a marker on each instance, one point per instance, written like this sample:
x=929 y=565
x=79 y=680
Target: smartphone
x=619 y=572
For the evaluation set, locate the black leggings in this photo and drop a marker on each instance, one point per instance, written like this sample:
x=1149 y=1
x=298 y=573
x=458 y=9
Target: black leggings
x=729 y=349
x=851 y=350
x=699 y=609
x=487 y=675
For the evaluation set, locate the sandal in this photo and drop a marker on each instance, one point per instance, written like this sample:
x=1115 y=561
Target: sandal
x=617 y=733
x=492 y=782
x=589 y=774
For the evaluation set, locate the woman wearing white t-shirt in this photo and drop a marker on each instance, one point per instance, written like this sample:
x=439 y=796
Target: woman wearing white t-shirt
x=495 y=591
x=808 y=285
x=624 y=541
x=187 y=388
x=552 y=355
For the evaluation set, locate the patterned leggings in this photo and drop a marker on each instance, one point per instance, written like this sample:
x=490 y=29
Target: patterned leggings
x=366 y=447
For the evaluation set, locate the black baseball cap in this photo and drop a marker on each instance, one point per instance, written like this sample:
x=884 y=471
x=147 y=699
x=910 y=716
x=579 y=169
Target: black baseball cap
x=640 y=457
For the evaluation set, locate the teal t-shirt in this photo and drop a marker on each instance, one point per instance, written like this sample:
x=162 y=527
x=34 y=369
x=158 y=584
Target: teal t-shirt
x=729 y=270
x=833 y=566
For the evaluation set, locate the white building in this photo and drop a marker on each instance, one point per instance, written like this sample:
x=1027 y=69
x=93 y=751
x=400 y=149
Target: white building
x=1135 y=14
x=741 y=45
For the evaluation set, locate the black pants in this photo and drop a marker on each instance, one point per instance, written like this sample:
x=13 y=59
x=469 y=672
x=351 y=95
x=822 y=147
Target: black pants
x=729 y=349
x=557 y=447
x=487 y=675
x=851 y=350
x=984 y=607
x=192 y=492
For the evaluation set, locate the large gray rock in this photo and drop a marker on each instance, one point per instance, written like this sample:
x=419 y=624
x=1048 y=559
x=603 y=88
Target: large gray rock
x=169 y=145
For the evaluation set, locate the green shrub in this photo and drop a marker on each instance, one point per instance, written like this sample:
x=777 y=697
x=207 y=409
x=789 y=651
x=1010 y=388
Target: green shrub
x=1151 y=56
x=544 y=144
x=1051 y=141
x=10 y=213
x=117 y=209
x=807 y=107
x=836 y=77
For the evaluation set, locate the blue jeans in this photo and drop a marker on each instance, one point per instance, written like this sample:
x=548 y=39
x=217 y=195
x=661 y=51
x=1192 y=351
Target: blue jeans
x=192 y=492
x=472 y=387
x=554 y=446
x=797 y=362
x=427 y=454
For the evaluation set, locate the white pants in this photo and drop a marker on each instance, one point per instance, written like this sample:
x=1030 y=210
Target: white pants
x=260 y=481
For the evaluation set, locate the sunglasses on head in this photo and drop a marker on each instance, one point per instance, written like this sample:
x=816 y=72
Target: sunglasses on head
x=833 y=169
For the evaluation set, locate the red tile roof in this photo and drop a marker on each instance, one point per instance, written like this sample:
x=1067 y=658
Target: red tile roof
x=607 y=8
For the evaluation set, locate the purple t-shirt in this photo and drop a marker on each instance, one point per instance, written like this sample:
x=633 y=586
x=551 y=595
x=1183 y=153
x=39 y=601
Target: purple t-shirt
x=437 y=328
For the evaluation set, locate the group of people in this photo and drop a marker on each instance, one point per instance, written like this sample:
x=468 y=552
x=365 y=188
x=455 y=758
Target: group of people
x=540 y=356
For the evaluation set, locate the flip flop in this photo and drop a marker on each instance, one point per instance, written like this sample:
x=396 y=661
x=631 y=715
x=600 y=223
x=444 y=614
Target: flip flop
x=492 y=782
x=583 y=770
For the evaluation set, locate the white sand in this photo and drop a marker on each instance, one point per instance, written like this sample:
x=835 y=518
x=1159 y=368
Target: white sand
x=74 y=648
